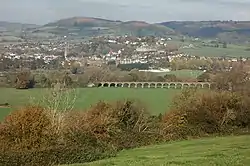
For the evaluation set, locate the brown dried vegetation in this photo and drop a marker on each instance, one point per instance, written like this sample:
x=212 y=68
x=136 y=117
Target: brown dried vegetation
x=196 y=114
x=30 y=136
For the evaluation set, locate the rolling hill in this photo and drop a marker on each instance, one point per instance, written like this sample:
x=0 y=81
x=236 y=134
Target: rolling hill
x=87 y=26
x=83 y=22
x=12 y=31
x=231 y=31
x=11 y=26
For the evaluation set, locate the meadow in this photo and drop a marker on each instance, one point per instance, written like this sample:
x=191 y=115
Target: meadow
x=156 y=100
x=223 y=151
x=183 y=73
x=231 y=51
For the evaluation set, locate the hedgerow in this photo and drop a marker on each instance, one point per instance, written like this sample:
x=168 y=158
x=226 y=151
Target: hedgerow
x=38 y=136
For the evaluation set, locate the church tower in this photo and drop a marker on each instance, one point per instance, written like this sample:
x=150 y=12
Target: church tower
x=66 y=51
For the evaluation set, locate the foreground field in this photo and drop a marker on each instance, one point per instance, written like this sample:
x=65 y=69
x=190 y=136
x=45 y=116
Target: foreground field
x=228 y=151
x=156 y=100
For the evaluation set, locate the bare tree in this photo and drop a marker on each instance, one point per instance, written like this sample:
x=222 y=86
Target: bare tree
x=58 y=102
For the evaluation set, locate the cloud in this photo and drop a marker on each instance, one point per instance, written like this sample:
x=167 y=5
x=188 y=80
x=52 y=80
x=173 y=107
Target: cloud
x=44 y=11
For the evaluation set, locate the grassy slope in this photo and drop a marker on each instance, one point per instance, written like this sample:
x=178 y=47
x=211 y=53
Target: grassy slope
x=157 y=100
x=184 y=73
x=231 y=50
x=187 y=73
x=110 y=26
x=228 y=151
x=214 y=52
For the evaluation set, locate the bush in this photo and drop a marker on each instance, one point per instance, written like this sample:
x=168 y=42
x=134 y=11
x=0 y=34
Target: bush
x=24 y=81
x=80 y=133
x=28 y=137
x=175 y=126
x=242 y=118
x=202 y=113
x=25 y=129
x=51 y=156
x=32 y=136
x=36 y=136
x=123 y=124
x=136 y=126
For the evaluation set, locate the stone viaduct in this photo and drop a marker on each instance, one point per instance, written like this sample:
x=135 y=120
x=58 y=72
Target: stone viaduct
x=168 y=85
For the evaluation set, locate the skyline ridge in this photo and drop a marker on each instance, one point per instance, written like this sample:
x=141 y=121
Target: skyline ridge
x=44 y=11
x=122 y=21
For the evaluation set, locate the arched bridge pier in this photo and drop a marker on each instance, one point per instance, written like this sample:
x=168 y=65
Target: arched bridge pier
x=167 y=85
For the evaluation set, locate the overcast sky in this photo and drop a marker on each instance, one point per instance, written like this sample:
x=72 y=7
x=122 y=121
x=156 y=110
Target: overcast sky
x=44 y=11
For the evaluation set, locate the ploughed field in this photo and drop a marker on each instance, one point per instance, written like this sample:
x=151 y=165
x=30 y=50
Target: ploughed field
x=156 y=100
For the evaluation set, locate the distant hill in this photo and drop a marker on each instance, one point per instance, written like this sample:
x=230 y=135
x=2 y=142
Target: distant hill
x=82 y=22
x=87 y=26
x=11 y=26
x=229 y=31
x=225 y=30
x=13 y=32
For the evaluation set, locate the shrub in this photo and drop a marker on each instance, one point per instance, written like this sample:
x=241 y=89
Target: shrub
x=28 y=137
x=123 y=124
x=24 y=81
x=51 y=156
x=242 y=118
x=200 y=113
x=25 y=129
x=175 y=126
x=136 y=126
x=80 y=132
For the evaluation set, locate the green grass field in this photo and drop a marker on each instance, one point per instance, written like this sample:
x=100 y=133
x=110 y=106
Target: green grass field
x=231 y=51
x=184 y=73
x=156 y=100
x=4 y=112
x=221 y=151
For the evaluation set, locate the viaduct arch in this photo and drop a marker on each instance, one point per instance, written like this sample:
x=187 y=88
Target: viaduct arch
x=167 y=85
